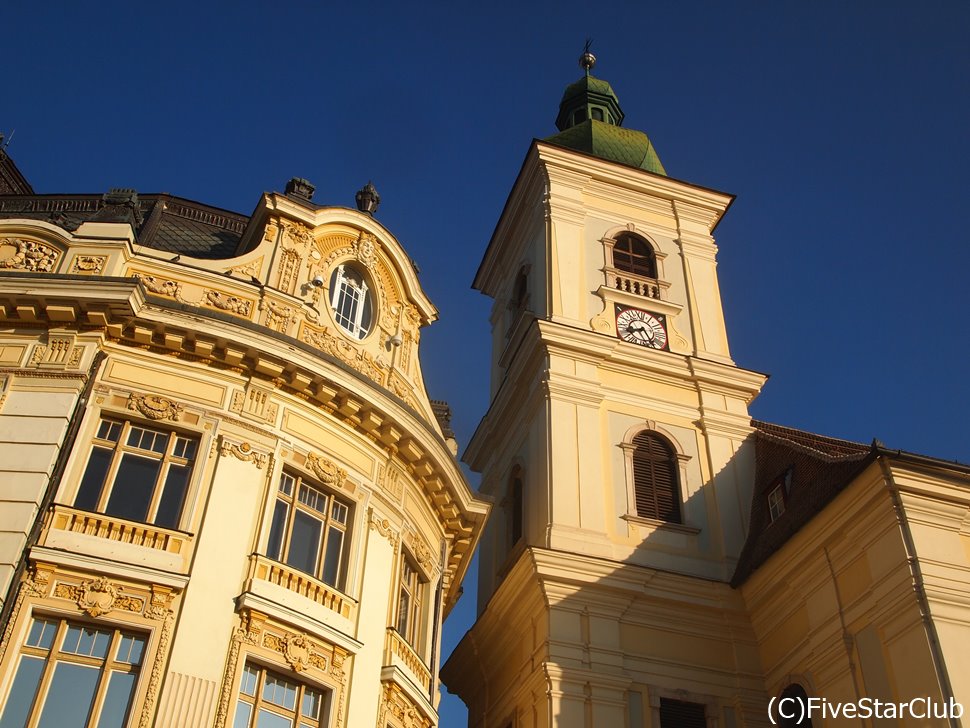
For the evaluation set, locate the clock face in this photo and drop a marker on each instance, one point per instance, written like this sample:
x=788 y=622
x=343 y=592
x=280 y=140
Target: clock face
x=641 y=327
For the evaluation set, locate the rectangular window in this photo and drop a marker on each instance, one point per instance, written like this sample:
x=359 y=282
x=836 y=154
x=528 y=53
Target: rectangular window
x=268 y=700
x=309 y=530
x=409 y=604
x=73 y=675
x=681 y=714
x=137 y=473
x=776 y=501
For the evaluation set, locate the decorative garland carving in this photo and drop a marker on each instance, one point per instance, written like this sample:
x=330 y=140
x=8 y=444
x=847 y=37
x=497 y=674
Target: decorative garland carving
x=155 y=408
x=225 y=302
x=362 y=361
x=243 y=451
x=160 y=286
x=384 y=528
x=155 y=679
x=210 y=296
x=278 y=316
x=396 y=705
x=420 y=550
x=329 y=473
x=36 y=583
x=89 y=264
x=31 y=255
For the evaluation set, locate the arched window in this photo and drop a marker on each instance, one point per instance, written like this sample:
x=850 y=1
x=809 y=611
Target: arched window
x=656 y=484
x=351 y=301
x=793 y=708
x=632 y=254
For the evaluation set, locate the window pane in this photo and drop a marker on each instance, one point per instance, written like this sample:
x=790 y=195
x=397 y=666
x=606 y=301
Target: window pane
x=339 y=512
x=304 y=543
x=130 y=649
x=22 y=693
x=85 y=641
x=93 y=480
x=170 y=505
x=276 y=530
x=132 y=490
x=286 y=484
x=249 y=680
x=331 y=562
x=121 y=686
x=311 y=704
x=69 y=696
x=279 y=692
x=271 y=720
x=42 y=633
x=243 y=713
x=404 y=605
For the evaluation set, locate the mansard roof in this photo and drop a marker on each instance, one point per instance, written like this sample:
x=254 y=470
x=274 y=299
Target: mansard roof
x=818 y=468
x=160 y=221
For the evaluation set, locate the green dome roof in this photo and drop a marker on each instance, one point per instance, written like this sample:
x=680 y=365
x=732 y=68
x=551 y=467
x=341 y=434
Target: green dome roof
x=613 y=143
x=590 y=120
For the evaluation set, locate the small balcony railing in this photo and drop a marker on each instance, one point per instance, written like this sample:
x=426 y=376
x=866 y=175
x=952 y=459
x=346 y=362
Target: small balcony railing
x=398 y=652
x=111 y=528
x=274 y=572
x=631 y=283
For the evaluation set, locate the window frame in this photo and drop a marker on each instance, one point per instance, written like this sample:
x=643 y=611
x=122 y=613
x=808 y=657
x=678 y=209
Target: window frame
x=294 y=505
x=120 y=447
x=340 y=287
x=409 y=621
x=258 y=700
x=56 y=653
x=679 y=457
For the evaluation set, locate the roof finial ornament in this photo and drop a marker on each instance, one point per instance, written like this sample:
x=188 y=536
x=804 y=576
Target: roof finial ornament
x=587 y=60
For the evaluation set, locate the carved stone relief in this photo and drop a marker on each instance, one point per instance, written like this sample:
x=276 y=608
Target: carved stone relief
x=88 y=264
x=243 y=451
x=362 y=361
x=210 y=297
x=329 y=473
x=155 y=408
x=29 y=255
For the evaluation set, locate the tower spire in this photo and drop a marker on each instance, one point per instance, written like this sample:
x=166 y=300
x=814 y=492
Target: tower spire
x=587 y=60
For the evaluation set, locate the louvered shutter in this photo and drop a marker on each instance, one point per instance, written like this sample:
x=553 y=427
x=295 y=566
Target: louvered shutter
x=681 y=714
x=655 y=484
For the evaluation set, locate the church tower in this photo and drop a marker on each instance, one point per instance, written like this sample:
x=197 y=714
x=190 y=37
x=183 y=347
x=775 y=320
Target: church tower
x=617 y=447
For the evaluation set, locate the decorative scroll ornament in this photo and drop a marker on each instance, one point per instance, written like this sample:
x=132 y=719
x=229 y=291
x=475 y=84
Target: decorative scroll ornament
x=154 y=407
x=384 y=528
x=243 y=451
x=296 y=651
x=327 y=471
x=97 y=597
x=30 y=255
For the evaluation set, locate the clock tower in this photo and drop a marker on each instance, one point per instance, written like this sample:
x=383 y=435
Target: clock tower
x=617 y=447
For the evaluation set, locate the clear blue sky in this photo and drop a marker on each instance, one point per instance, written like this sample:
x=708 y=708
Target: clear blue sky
x=843 y=128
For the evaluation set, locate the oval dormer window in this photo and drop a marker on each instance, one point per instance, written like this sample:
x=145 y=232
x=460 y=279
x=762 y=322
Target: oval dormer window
x=351 y=301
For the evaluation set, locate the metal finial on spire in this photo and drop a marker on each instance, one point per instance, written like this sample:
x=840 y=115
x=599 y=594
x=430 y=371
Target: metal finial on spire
x=587 y=60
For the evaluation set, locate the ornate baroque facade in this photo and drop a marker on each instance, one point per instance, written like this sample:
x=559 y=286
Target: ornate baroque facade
x=228 y=500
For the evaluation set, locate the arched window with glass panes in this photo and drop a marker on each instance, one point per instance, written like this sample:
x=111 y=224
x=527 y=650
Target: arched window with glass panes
x=656 y=482
x=633 y=254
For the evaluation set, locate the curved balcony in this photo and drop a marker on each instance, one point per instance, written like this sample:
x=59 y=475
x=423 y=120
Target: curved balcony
x=397 y=652
x=266 y=569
